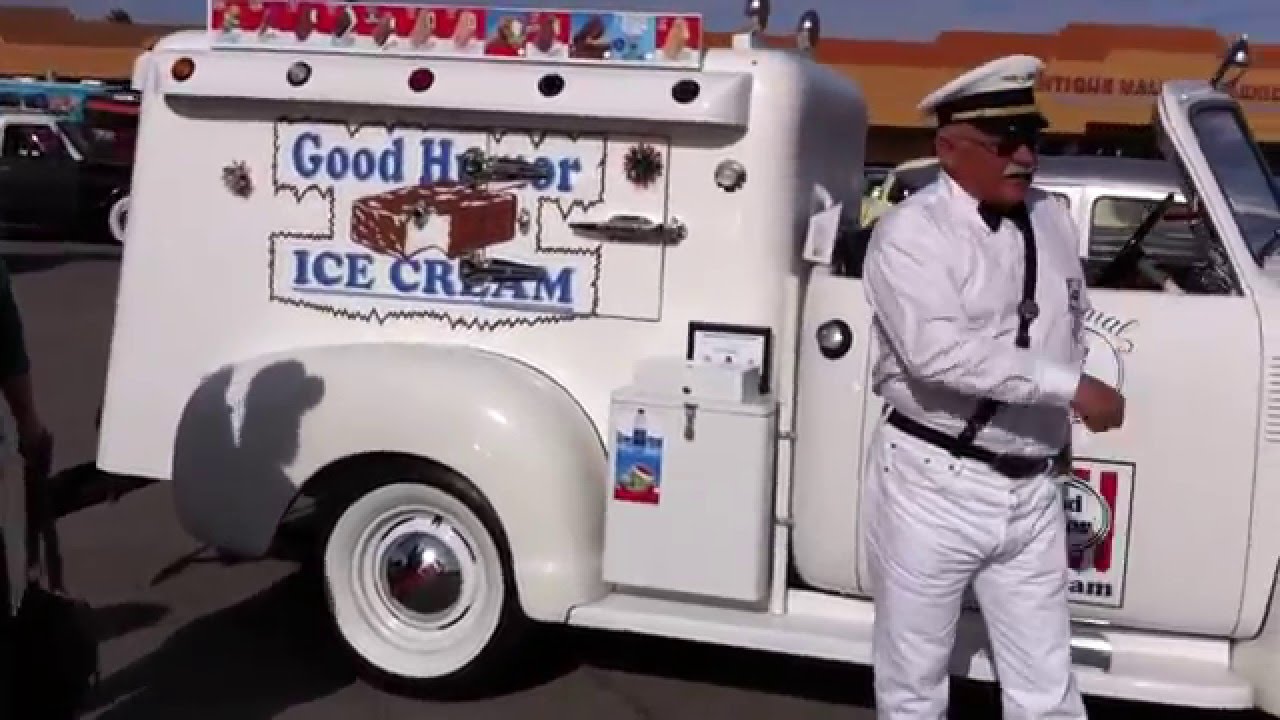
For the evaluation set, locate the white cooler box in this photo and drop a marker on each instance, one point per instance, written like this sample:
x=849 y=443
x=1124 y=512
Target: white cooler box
x=691 y=457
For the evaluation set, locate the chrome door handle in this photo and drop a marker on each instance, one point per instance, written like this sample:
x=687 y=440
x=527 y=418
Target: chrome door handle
x=491 y=270
x=477 y=168
x=633 y=229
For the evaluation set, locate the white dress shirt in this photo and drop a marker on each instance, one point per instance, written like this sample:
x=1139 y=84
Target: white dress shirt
x=945 y=291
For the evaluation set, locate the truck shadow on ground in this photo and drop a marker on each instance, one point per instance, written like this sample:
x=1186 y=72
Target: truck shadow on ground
x=251 y=661
x=31 y=257
x=277 y=650
x=820 y=681
x=113 y=621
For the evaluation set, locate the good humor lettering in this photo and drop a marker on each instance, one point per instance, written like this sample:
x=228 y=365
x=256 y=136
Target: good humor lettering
x=318 y=158
x=389 y=246
x=426 y=279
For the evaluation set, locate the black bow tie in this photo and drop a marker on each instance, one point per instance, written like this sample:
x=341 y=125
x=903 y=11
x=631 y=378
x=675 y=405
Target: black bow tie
x=992 y=215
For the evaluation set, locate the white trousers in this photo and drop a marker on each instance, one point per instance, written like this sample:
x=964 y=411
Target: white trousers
x=936 y=524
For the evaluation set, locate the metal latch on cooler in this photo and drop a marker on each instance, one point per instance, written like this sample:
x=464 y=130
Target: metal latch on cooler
x=633 y=229
x=477 y=168
x=690 y=413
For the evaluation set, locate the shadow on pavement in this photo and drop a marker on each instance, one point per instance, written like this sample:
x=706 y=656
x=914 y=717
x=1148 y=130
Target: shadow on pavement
x=114 y=621
x=278 y=650
x=253 y=660
x=84 y=486
x=819 y=681
x=38 y=257
x=250 y=661
x=825 y=682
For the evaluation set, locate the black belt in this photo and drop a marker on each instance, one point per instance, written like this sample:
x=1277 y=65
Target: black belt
x=1013 y=466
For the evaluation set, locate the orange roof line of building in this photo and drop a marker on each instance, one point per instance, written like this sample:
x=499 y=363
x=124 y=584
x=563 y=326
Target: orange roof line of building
x=1086 y=42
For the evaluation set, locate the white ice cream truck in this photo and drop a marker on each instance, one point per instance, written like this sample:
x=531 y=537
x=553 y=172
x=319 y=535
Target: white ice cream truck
x=551 y=317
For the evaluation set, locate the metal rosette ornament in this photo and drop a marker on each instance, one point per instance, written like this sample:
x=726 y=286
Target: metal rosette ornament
x=643 y=165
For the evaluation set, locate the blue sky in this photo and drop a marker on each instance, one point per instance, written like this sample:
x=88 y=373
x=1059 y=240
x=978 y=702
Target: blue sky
x=898 y=19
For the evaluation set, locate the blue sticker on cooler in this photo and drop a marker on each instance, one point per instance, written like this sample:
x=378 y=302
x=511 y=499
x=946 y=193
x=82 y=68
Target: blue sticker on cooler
x=637 y=465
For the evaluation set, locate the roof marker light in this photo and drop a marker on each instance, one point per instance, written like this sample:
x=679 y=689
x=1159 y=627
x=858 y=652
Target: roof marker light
x=299 y=73
x=685 y=91
x=551 y=84
x=183 y=69
x=421 y=80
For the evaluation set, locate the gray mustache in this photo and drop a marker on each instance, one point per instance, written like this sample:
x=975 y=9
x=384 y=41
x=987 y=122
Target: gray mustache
x=1018 y=169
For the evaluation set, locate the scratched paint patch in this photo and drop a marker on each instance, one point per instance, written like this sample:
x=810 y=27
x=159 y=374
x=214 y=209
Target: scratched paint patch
x=407 y=221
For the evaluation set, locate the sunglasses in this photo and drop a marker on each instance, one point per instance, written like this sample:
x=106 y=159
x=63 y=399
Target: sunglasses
x=1007 y=142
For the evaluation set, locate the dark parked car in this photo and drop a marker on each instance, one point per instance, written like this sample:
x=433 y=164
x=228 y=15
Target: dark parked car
x=52 y=180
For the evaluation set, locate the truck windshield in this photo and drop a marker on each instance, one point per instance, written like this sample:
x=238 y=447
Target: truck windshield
x=1245 y=179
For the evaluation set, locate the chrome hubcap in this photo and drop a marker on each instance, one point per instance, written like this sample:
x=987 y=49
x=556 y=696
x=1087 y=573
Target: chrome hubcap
x=424 y=571
x=423 y=574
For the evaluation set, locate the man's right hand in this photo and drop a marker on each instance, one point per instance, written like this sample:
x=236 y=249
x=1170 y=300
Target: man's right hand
x=1099 y=405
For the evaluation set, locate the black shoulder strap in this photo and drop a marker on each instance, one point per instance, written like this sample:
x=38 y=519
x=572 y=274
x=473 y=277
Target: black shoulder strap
x=1028 y=311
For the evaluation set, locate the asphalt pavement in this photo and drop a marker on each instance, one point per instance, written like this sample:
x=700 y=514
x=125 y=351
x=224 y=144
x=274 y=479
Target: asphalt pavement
x=185 y=635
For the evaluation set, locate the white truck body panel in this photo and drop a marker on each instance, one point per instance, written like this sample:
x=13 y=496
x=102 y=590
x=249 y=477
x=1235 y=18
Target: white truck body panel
x=670 y=291
x=640 y=303
x=320 y=345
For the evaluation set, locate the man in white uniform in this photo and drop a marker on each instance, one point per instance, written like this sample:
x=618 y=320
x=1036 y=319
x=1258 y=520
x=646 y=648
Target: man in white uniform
x=979 y=297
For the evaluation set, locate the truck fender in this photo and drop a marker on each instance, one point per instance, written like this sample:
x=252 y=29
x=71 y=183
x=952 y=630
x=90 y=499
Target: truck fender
x=253 y=434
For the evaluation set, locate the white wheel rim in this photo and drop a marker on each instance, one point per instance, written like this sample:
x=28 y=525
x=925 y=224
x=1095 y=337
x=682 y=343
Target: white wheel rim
x=444 y=619
x=119 y=218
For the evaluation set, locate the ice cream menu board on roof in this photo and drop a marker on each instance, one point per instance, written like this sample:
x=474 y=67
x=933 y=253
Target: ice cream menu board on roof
x=438 y=31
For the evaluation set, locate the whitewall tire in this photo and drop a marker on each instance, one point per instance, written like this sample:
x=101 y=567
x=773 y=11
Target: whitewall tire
x=419 y=587
x=118 y=218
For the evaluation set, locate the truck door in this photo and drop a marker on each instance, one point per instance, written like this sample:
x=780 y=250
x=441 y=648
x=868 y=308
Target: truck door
x=1158 y=510
x=1210 y=134
x=37 y=176
x=833 y=416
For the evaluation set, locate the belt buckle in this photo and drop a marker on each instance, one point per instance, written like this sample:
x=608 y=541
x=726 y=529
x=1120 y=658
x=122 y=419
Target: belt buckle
x=1061 y=464
x=1019 y=467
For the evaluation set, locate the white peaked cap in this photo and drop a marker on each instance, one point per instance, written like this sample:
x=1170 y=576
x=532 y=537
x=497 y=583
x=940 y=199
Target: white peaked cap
x=1000 y=90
